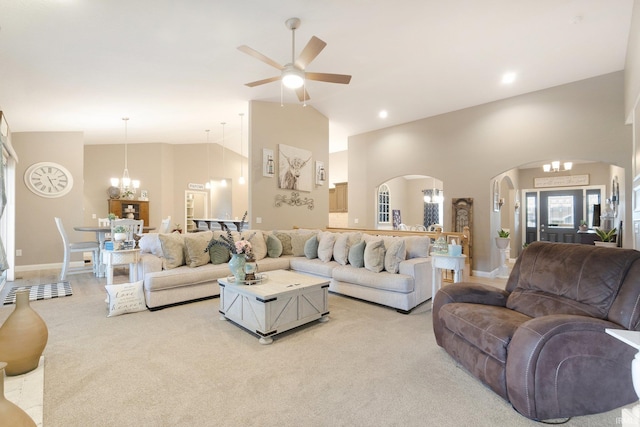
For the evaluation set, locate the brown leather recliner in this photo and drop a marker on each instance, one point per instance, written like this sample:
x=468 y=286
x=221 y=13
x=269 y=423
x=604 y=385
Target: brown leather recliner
x=541 y=343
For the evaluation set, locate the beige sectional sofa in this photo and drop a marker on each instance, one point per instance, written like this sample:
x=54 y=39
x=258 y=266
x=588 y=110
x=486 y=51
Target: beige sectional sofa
x=392 y=271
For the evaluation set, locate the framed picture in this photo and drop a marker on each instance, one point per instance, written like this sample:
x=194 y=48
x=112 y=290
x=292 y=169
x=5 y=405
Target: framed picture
x=397 y=218
x=144 y=195
x=268 y=163
x=496 y=196
x=294 y=168
x=321 y=173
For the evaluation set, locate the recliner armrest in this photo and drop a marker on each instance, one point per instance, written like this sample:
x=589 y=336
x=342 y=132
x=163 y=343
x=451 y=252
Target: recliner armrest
x=555 y=363
x=465 y=292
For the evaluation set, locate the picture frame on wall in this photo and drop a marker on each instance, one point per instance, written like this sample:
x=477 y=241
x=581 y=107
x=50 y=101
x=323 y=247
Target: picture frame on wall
x=144 y=195
x=295 y=169
x=321 y=173
x=268 y=163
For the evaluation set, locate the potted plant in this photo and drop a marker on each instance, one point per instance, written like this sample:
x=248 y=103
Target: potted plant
x=583 y=225
x=119 y=233
x=607 y=238
x=502 y=241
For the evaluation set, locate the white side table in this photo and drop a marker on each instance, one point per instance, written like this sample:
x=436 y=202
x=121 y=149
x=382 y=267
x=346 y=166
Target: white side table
x=111 y=258
x=441 y=262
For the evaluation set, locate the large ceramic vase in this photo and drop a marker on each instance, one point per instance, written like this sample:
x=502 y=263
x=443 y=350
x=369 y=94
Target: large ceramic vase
x=236 y=265
x=10 y=413
x=23 y=337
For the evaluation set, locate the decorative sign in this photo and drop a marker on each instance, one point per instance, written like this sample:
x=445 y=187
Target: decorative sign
x=193 y=186
x=561 y=181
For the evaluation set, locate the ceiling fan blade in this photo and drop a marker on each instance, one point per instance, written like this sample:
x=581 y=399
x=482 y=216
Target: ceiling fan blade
x=331 y=78
x=302 y=93
x=252 y=52
x=261 y=82
x=310 y=51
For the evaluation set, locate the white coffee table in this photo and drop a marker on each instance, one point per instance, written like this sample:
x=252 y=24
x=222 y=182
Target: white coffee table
x=285 y=300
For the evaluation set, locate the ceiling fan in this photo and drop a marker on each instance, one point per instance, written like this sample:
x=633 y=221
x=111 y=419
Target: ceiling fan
x=293 y=74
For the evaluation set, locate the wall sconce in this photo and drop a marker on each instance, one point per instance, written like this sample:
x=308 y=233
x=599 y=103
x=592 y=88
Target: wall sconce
x=500 y=203
x=517 y=205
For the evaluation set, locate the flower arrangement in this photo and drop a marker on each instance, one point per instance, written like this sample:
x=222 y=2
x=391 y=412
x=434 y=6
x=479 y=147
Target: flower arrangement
x=242 y=246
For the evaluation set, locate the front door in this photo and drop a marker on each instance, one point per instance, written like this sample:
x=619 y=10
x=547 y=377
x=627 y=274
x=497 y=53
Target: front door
x=560 y=215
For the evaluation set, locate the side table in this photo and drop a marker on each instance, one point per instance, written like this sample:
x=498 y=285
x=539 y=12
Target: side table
x=111 y=258
x=441 y=262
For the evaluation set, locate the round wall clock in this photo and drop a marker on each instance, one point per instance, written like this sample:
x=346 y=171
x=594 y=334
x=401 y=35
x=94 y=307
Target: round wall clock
x=48 y=179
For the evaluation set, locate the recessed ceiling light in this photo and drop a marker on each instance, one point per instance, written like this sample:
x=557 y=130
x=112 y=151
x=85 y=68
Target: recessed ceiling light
x=383 y=114
x=508 y=78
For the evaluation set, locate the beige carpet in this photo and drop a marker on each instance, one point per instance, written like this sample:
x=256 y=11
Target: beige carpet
x=367 y=366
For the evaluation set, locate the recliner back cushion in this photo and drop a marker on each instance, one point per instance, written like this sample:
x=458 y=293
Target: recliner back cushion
x=561 y=278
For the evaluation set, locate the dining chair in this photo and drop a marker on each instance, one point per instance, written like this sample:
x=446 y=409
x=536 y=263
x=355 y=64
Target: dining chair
x=165 y=225
x=71 y=247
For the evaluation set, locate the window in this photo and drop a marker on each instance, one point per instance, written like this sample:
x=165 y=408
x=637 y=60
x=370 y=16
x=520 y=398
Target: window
x=560 y=211
x=593 y=198
x=383 y=204
x=532 y=221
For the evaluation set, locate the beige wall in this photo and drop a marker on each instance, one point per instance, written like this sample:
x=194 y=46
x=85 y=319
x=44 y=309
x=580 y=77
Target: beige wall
x=296 y=126
x=36 y=232
x=632 y=64
x=466 y=149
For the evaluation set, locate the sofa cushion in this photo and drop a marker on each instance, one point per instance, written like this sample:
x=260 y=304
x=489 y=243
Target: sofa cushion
x=311 y=247
x=551 y=278
x=343 y=243
x=298 y=241
x=195 y=244
x=150 y=243
x=374 y=255
x=486 y=327
x=325 y=246
x=258 y=245
x=313 y=266
x=182 y=276
x=382 y=280
x=417 y=246
x=274 y=246
x=356 y=254
x=172 y=250
x=219 y=254
x=285 y=239
x=395 y=253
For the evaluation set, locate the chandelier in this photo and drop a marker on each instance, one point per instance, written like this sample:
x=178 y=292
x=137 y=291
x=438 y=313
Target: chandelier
x=555 y=166
x=127 y=185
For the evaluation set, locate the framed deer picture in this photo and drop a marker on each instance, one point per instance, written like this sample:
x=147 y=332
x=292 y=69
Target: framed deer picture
x=295 y=169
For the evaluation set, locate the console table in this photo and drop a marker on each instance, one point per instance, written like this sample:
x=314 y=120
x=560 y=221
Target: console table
x=441 y=262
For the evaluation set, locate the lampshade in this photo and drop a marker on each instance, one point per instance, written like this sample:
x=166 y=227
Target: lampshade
x=292 y=77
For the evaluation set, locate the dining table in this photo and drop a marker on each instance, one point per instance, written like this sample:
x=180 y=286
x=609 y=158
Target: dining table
x=101 y=236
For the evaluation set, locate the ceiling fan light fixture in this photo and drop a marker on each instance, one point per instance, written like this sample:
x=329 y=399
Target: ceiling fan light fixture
x=292 y=77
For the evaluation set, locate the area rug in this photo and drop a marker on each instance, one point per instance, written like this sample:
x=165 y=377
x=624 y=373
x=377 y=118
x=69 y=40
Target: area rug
x=40 y=292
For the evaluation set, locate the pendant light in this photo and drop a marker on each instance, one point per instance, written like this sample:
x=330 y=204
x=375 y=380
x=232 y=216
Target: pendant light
x=241 y=179
x=128 y=186
x=223 y=183
x=208 y=183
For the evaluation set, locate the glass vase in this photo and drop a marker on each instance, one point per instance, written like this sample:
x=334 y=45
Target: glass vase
x=236 y=265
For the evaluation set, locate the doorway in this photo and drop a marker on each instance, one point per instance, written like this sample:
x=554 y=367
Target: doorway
x=554 y=215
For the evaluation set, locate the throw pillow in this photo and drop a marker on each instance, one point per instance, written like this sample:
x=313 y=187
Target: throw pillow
x=395 y=254
x=195 y=244
x=274 y=246
x=150 y=243
x=125 y=298
x=374 y=255
x=325 y=246
x=258 y=245
x=417 y=247
x=172 y=250
x=341 y=249
x=219 y=254
x=285 y=239
x=311 y=247
x=298 y=241
x=356 y=254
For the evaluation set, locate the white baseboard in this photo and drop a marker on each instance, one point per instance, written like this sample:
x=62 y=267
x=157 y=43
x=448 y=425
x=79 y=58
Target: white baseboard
x=54 y=266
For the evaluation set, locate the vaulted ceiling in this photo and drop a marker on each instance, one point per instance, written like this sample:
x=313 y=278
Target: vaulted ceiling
x=174 y=69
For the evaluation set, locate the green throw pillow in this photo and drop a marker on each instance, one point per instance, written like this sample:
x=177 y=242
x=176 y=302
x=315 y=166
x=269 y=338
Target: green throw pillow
x=356 y=254
x=311 y=247
x=274 y=246
x=219 y=254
